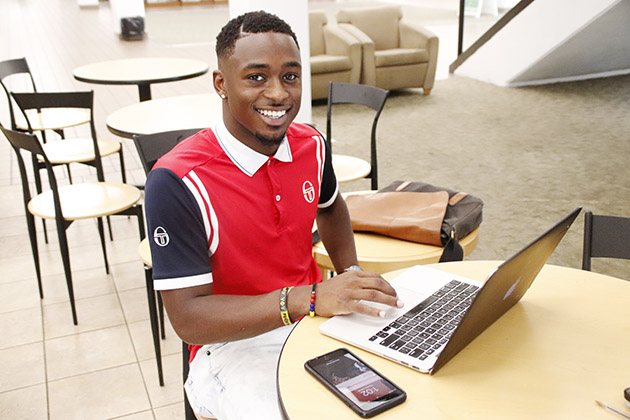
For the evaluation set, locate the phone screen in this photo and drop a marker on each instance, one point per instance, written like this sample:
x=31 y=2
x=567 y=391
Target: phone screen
x=357 y=382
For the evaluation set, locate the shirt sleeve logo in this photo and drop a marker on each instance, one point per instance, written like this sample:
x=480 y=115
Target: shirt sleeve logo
x=160 y=237
x=308 y=191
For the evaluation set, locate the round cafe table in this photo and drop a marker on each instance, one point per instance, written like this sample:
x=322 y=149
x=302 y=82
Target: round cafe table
x=166 y=114
x=142 y=72
x=563 y=346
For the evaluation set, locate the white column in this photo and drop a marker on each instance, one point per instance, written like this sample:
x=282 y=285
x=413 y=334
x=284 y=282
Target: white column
x=295 y=13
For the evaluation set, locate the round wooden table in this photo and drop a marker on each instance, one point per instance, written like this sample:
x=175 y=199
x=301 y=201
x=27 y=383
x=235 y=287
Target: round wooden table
x=142 y=72
x=380 y=254
x=563 y=346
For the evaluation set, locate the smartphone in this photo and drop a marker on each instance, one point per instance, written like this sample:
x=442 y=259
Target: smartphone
x=359 y=386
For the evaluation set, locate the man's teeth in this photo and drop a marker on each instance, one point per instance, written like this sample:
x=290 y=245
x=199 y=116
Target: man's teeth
x=272 y=114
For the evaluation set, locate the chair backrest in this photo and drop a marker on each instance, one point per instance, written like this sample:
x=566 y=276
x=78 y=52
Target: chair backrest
x=80 y=99
x=605 y=237
x=379 y=23
x=9 y=68
x=317 y=19
x=351 y=93
x=30 y=143
x=152 y=146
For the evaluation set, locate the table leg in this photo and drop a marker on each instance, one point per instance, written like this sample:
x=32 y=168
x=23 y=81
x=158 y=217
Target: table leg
x=144 y=89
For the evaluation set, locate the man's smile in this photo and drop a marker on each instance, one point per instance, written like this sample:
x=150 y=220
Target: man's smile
x=271 y=113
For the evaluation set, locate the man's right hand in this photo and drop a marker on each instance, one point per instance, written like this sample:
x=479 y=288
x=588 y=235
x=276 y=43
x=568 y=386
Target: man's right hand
x=343 y=294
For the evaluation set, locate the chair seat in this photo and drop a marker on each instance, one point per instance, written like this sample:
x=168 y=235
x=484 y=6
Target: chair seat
x=86 y=201
x=400 y=57
x=144 y=251
x=78 y=150
x=54 y=119
x=350 y=168
x=325 y=63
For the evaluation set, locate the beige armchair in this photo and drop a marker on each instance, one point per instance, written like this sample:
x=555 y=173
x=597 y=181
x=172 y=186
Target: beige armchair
x=396 y=53
x=335 y=55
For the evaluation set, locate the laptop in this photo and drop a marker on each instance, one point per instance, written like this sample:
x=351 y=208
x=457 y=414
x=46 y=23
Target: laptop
x=444 y=312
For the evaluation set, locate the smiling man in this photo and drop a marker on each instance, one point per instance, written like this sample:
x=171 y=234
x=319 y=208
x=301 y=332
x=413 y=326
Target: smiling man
x=231 y=211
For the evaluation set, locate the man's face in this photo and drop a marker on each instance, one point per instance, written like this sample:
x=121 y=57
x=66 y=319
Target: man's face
x=263 y=87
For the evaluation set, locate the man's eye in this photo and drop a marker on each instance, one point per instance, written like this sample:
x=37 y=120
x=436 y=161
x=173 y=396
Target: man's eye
x=291 y=76
x=256 y=77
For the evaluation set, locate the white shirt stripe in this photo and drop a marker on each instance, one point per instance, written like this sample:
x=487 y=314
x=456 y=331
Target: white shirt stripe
x=213 y=216
x=182 y=282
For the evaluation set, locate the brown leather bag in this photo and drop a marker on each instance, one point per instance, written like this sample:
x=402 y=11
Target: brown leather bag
x=412 y=216
x=418 y=212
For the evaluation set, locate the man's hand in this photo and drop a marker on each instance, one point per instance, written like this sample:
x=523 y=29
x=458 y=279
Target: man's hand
x=342 y=294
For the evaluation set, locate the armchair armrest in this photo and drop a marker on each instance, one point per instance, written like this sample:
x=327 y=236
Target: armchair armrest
x=415 y=36
x=368 y=67
x=340 y=42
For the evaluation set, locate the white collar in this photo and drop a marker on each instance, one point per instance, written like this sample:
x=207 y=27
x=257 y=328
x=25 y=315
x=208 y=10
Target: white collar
x=246 y=159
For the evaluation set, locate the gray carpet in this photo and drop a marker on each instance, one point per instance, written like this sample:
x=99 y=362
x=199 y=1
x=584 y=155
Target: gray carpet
x=532 y=154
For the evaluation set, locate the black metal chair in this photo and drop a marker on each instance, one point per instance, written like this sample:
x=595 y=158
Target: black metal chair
x=59 y=120
x=605 y=237
x=68 y=203
x=86 y=149
x=150 y=148
x=369 y=96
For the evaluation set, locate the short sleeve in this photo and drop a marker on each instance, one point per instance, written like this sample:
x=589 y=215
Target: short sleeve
x=329 y=187
x=177 y=236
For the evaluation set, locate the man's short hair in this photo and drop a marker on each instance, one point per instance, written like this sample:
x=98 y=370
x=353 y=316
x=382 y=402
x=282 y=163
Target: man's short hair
x=251 y=22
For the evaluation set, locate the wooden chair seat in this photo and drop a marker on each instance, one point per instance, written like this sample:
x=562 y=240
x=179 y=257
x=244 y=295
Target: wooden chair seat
x=350 y=168
x=78 y=150
x=145 y=252
x=53 y=119
x=86 y=201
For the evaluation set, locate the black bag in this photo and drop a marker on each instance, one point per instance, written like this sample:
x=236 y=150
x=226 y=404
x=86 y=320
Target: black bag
x=463 y=215
x=132 y=28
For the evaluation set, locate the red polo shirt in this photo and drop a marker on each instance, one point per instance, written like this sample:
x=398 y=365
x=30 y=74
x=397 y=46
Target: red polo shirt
x=218 y=212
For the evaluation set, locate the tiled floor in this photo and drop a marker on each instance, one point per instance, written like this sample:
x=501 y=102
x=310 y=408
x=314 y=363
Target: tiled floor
x=103 y=368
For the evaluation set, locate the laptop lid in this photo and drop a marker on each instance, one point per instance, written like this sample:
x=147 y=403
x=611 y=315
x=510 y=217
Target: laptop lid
x=504 y=287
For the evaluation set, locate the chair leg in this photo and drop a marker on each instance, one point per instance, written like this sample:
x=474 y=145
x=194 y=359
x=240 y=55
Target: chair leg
x=154 y=322
x=109 y=228
x=65 y=256
x=67 y=165
x=32 y=233
x=161 y=315
x=101 y=232
x=123 y=173
x=189 y=414
x=38 y=188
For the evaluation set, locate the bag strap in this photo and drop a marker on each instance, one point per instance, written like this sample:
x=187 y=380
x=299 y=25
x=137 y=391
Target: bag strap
x=453 y=250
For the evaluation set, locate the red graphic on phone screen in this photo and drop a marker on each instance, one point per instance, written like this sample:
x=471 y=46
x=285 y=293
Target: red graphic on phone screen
x=371 y=391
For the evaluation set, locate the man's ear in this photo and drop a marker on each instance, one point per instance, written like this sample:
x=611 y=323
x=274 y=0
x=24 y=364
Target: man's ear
x=219 y=83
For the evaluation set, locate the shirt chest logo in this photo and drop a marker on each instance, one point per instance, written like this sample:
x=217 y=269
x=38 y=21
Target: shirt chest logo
x=308 y=191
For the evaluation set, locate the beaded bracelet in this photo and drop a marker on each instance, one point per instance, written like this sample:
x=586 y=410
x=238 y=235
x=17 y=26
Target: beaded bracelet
x=312 y=307
x=284 y=312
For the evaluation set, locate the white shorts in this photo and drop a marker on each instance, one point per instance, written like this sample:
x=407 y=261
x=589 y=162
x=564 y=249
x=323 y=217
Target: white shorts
x=237 y=380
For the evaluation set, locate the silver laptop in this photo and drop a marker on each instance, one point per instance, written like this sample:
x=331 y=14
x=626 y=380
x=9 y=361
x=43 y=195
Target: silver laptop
x=444 y=312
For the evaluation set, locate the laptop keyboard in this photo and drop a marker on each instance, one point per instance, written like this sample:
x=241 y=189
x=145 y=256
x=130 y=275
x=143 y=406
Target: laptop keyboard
x=425 y=328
